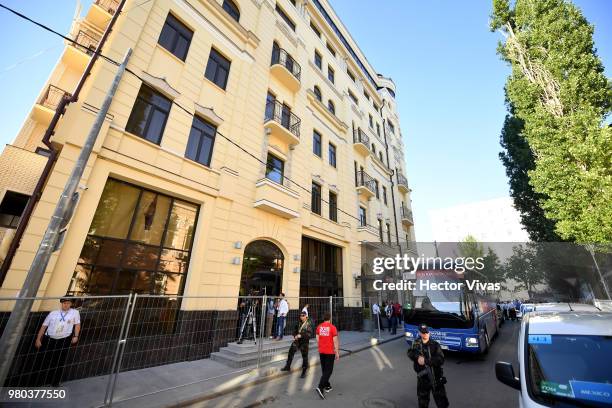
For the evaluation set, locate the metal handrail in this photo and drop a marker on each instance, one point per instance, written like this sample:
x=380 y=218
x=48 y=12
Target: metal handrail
x=406 y=213
x=86 y=42
x=282 y=57
x=401 y=179
x=53 y=96
x=360 y=137
x=365 y=180
x=108 y=5
x=277 y=112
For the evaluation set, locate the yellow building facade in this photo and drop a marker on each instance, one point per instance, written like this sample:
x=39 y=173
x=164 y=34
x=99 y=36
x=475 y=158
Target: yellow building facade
x=251 y=146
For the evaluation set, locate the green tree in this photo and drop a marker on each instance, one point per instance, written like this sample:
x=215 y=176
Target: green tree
x=493 y=269
x=524 y=267
x=518 y=160
x=558 y=89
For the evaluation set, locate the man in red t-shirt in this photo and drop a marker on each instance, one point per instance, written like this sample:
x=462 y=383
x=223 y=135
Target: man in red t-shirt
x=329 y=351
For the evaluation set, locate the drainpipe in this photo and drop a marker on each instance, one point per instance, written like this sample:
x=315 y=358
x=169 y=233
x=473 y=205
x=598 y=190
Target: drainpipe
x=46 y=140
x=392 y=184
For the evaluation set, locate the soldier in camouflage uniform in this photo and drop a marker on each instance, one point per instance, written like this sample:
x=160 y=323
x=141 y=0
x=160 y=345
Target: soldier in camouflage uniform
x=301 y=336
x=428 y=360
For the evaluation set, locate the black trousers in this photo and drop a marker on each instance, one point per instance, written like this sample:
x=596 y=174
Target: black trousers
x=327 y=367
x=303 y=347
x=50 y=361
x=424 y=387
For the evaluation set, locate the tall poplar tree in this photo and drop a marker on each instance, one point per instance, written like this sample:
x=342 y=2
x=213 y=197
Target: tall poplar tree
x=558 y=89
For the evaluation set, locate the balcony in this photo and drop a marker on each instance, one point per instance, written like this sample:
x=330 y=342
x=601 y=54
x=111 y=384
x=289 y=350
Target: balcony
x=276 y=199
x=402 y=183
x=281 y=123
x=406 y=216
x=101 y=11
x=285 y=69
x=366 y=186
x=46 y=106
x=86 y=42
x=361 y=142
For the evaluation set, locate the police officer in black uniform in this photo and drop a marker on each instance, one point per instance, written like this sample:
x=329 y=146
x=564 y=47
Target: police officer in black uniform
x=301 y=336
x=428 y=359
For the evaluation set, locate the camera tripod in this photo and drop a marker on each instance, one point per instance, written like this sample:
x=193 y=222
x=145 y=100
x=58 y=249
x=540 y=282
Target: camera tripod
x=249 y=320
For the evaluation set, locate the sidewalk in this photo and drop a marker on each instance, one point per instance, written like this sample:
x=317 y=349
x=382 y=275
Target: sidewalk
x=191 y=381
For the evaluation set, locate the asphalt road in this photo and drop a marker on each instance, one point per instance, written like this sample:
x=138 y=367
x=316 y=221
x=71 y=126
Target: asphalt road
x=383 y=377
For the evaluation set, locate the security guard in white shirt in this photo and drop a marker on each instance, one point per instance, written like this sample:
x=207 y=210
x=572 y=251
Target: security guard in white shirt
x=60 y=329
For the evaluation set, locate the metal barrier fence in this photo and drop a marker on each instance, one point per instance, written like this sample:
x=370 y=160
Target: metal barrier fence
x=119 y=334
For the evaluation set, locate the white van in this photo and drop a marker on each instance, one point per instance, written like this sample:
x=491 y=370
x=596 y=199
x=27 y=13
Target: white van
x=565 y=359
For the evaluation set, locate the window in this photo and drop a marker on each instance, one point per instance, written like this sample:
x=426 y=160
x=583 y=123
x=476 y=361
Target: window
x=315 y=199
x=149 y=115
x=380 y=231
x=318 y=60
x=333 y=206
x=315 y=29
x=389 y=233
x=378 y=128
x=320 y=269
x=330 y=74
x=217 y=69
x=377 y=191
x=366 y=94
x=350 y=74
x=139 y=241
x=380 y=155
x=373 y=148
x=175 y=37
x=362 y=217
x=331 y=107
x=376 y=108
x=332 y=155
x=356 y=172
x=201 y=141
x=331 y=49
x=353 y=97
x=385 y=195
x=391 y=127
x=285 y=17
x=275 y=169
x=12 y=208
x=317 y=93
x=316 y=143
x=232 y=9
x=371 y=121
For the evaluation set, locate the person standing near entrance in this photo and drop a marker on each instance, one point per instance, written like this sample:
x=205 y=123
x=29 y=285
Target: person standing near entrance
x=376 y=313
x=283 y=309
x=60 y=329
x=329 y=351
x=301 y=336
x=270 y=311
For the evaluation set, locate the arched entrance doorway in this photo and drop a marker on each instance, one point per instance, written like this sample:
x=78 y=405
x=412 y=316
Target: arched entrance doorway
x=262 y=267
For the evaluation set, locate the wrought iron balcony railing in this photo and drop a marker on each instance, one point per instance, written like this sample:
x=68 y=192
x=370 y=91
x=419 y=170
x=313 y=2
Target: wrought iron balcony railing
x=108 y=5
x=86 y=42
x=280 y=113
x=360 y=137
x=53 y=96
x=401 y=179
x=282 y=57
x=406 y=213
x=365 y=180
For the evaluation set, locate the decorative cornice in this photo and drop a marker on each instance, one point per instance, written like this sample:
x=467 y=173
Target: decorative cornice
x=161 y=84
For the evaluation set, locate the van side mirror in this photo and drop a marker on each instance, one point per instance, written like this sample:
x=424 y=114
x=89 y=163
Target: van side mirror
x=505 y=374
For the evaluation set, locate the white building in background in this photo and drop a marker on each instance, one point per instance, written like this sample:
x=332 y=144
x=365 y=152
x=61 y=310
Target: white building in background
x=493 y=220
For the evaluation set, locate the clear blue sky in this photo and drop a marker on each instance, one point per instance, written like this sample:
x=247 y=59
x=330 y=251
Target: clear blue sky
x=440 y=54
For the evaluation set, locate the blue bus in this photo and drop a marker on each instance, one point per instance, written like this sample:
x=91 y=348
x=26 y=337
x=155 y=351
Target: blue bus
x=459 y=319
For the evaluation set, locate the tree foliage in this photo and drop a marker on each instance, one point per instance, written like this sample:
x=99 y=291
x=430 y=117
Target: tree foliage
x=518 y=160
x=558 y=89
x=524 y=266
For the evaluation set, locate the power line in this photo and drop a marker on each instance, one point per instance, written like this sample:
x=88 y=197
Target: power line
x=309 y=191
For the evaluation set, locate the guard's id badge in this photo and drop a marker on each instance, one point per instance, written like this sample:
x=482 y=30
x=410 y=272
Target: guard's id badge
x=60 y=328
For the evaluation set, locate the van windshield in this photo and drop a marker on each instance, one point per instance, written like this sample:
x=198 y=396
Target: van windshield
x=570 y=367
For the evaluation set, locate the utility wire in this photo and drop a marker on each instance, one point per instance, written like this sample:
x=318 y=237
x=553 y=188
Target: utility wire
x=110 y=60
